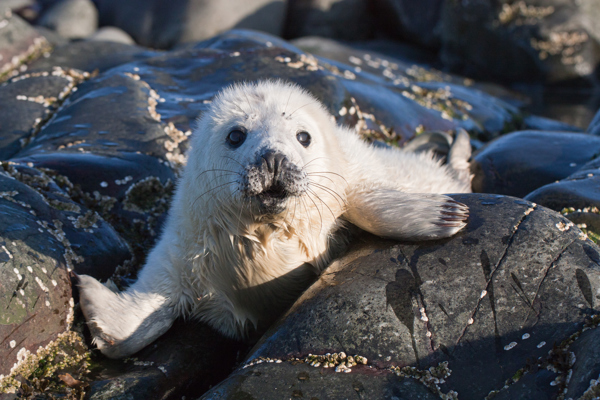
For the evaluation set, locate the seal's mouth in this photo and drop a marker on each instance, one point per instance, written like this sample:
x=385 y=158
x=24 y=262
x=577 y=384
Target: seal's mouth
x=276 y=191
x=272 y=200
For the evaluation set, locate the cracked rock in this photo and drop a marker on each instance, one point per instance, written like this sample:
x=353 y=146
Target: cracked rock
x=518 y=281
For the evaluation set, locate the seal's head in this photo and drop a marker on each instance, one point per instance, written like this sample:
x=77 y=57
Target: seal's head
x=264 y=148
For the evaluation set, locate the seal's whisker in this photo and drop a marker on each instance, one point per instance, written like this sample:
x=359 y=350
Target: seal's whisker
x=218 y=170
x=327 y=172
x=210 y=190
x=241 y=109
x=324 y=177
x=309 y=103
x=248 y=101
x=314 y=159
x=325 y=204
x=245 y=201
x=318 y=211
x=234 y=160
x=294 y=213
x=332 y=193
x=216 y=178
x=286 y=104
x=310 y=228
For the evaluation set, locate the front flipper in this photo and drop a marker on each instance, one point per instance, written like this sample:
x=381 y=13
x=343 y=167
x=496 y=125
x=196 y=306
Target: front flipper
x=123 y=323
x=406 y=216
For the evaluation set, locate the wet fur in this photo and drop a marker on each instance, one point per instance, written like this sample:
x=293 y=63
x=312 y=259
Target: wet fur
x=222 y=260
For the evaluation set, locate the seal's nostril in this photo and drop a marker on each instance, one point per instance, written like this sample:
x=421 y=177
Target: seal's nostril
x=274 y=163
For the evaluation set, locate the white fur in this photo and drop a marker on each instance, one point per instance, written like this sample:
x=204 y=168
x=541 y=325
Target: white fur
x=222 y=261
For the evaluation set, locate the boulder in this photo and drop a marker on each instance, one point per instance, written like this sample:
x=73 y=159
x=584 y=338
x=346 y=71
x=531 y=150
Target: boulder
x=44 y=235
x=91 y=56
x=19 y=43
x=329 y=19
x=412 y=21
x=164 y=23
x=594 y=127
x=112 y=34
x=521 y=162
x=71 y=19
x=506 y=307
x=522 y=41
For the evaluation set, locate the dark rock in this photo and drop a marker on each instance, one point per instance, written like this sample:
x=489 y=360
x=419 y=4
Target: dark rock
x=52 y=37
x=43 y=236
x=71 y=19
x=26 y=102
x=487 y=304
x=164 y=23
x=577 y=197
x=382 y=49
x=586 y=365
x=19 y=43
x=330 y=19
x=285 y=380
x=413 y=21
x=520 y=162
x=537 y=123
x=112 y=34
x=15 y=4
x=594 y=127
x=91 y=56
x=577 y=191
x=185 y=361
x=526 y=40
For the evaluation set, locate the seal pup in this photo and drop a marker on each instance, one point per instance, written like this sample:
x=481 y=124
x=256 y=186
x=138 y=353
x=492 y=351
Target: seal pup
x=261 y=206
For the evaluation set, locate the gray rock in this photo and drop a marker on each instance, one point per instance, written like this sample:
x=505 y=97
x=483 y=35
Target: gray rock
x=165 y=23
x=44 y=236
x=29 y=100
x=15 y=4
x=537 y=123
x=527 y=41
x=330 y=19
x=71 y=19
x=487 y=304
x=413 y=21
x=521 y=162
x=19 y=43
x=52 y=37
x=112 y=34
x=184 y=362
x=91 y=56
x=594 y=127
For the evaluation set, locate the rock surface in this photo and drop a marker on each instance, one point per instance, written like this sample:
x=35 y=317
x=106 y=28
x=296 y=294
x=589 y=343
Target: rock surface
x=44 y=236
x=523 y=40
x=166 y=23
x=19 y=42
x=508 y=299
x=594 y=127
x=329 y=19
x=112 y=34
x=71 y=19
x=413 y=21
x=521 y=162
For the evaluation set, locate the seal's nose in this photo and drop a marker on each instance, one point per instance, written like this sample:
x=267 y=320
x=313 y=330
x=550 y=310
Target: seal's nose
x=274 y=163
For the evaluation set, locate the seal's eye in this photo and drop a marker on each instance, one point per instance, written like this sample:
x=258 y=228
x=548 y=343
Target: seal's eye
x=304 y=138
x=236 y=137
